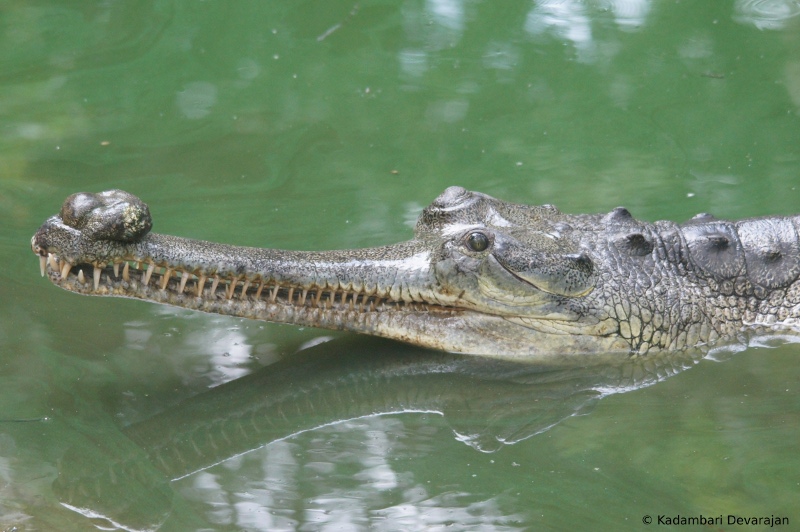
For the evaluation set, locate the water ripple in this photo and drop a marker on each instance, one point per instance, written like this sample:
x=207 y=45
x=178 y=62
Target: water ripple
x=766 y=14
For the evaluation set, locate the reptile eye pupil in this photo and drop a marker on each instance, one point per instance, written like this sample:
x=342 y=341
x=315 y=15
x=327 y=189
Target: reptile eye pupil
x=478 y=242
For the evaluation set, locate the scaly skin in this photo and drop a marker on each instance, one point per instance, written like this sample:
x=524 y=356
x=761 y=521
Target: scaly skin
x=480 y=276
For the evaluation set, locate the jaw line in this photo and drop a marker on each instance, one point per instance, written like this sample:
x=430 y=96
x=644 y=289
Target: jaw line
x=537 y=287
x=541 y=309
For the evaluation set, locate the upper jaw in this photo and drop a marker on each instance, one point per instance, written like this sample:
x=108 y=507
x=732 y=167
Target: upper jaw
x=63 y=250
x=159 y=265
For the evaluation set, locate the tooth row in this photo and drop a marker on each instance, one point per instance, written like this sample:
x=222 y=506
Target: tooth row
x=322 y=298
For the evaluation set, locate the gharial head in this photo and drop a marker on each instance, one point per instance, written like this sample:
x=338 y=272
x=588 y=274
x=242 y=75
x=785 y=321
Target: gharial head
x=481 y=253
x=505 y=258
x=475 y=263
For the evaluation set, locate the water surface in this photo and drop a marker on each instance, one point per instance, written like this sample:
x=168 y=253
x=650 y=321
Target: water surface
x=320 y=125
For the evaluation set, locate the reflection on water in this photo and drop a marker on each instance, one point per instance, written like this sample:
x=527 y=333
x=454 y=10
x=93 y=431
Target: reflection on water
x=567 y=20
x=342 y=392
x=354 y=488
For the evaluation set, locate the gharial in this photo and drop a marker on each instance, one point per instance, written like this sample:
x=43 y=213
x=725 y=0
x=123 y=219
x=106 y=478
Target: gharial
x=479 y=276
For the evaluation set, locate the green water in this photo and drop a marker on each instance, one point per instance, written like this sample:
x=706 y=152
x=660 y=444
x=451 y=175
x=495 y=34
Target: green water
x=319 y=125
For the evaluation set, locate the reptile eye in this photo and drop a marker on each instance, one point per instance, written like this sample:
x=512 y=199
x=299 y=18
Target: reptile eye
x=478 y=241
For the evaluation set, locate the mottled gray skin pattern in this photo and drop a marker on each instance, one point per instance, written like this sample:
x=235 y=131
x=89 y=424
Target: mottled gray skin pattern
x=480 y=276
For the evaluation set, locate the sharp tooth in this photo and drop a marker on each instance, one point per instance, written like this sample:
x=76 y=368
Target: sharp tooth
x=214 y=284
x=274 y=295
x=201 y=281
x=42 y=264
x=149 y=272
x=81 y=278
x=245 y=286
x=125 y=269
x=53 y=262
x=231 y=288
x=260 y=288
x=97 y=272
x=291 y=294
x=165 y=278
x=184 y=278
x=318 y=296
x=116 y=270
x=303 y=297
x=65 y=268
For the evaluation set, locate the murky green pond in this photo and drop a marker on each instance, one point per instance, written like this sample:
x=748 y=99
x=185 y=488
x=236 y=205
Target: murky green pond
x=330 y=124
